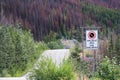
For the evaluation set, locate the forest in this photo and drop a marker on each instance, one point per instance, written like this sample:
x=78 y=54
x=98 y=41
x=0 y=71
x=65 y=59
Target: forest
x=43 y=16
x=30 y=27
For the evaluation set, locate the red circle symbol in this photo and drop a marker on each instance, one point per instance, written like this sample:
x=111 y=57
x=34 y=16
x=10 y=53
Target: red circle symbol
x=91 y=35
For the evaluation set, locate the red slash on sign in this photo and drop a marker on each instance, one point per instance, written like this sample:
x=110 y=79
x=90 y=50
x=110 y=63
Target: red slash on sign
x=91 y=35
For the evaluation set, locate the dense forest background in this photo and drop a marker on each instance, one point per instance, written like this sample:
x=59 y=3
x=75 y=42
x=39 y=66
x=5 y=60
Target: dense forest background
x=43 y=16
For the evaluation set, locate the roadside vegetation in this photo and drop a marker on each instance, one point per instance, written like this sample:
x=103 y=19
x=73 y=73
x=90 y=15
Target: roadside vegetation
x=107 y=68
x=18 y=51
x=53 y=41
x=47 y=70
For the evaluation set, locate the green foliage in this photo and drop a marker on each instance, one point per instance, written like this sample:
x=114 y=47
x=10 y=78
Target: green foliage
x=18 y=51
x=52 y=41
x=114 y=49
x=75 y=56
x=117 y=49
x=109 y=70
x=39 y=48
x=55 y=45
x=47 y=70
x=5 y=73
x=16 y=48
x=89 y=55
x=103 y=16
x=77 y=34
x=52 y=36
x=80 y=64
x=64 y=31
x=75 y=52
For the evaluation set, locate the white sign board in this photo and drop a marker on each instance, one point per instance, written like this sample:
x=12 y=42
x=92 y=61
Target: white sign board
x=92 y=39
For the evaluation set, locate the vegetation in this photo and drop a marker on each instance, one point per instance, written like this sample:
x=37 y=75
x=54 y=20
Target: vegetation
x=41 y=17
x=75 y=52
x=52 y=36
x=55 y=44
x=114 y=48
x=17 y=51
x=76 y=60
x=104 y=17
x=47 y=70
x=53 y=41
x=89 y=55
x=108 y=69
x=52 y=20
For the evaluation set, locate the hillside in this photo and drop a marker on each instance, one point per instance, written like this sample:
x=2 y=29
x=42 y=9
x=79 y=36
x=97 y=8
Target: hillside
x=114 y=4
x=41 y=16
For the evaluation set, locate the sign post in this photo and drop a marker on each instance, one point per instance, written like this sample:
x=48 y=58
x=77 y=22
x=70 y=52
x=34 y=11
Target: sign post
x=91 y=43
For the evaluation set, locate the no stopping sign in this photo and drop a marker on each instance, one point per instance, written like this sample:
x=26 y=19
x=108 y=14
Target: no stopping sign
x=92 y=39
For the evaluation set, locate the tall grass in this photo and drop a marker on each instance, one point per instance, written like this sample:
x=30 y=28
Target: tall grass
x=47 y=70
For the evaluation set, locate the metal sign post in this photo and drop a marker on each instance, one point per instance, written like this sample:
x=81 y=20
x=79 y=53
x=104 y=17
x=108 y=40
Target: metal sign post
x=92 y=44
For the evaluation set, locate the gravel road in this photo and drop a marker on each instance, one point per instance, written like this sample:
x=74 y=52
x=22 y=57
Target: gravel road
x=57 y=55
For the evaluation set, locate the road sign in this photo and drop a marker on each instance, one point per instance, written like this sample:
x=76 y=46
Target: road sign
x=92 y=39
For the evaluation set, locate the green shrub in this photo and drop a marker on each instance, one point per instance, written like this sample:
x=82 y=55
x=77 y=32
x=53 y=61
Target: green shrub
x=39 y=48
x=89 y=55
x=109 y=70
x=16 y=50
x=47 y=70
x=75 y=52
x=52 y=36
x=5 y=73
x=52 y=41
x=55 y=45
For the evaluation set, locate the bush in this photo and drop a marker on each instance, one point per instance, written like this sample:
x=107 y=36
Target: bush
x=53 y=41
x=55 y=45
x=47 y=70
x=39 y=48
x=16 y=50
x=75 y=52
x=89 y=55
x=109 y=70
x=52 y=36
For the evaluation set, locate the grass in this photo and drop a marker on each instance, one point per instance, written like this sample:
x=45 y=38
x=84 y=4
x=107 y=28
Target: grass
x=47 y=70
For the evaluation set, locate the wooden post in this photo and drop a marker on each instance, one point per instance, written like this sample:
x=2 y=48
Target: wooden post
x=94 y=61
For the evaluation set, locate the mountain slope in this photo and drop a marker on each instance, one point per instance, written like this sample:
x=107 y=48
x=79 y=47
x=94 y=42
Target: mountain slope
x=41 y=16
x=114 y=4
